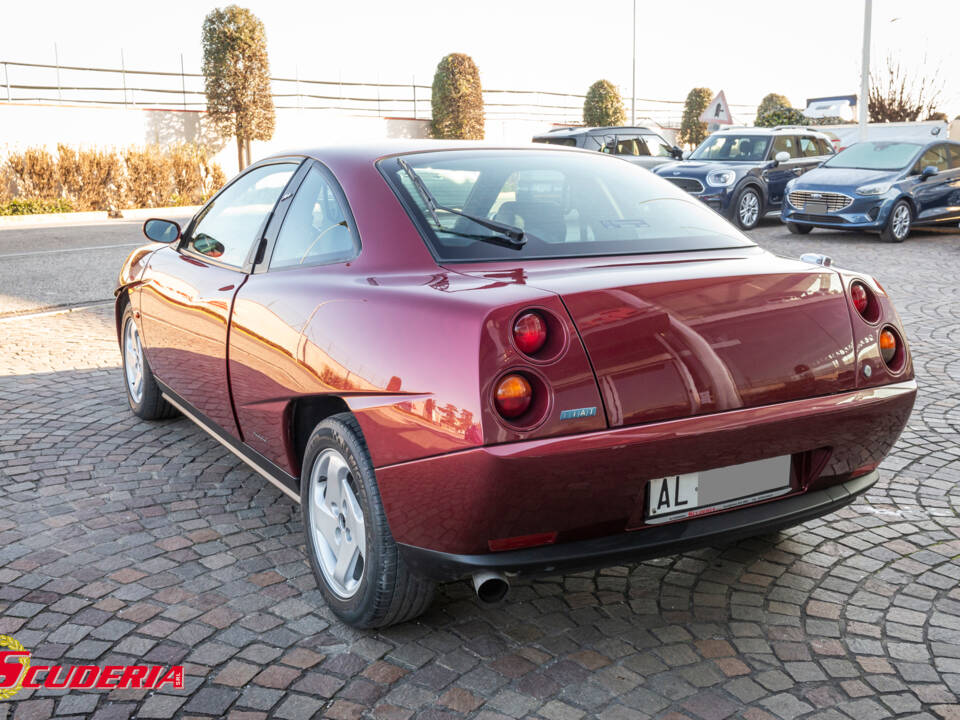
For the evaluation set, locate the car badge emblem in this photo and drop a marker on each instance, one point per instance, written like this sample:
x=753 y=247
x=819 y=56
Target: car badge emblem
x=578 y=413
x=816 y=196
x=676 y=172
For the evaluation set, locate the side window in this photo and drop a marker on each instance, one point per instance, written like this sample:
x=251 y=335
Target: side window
x=826 y=147
x=809 y=147
x=936 y=156
x=631 y=146
x=657 y=146
x=955 y=156
x=231 y=224
x=787 y=144
x=315 y=229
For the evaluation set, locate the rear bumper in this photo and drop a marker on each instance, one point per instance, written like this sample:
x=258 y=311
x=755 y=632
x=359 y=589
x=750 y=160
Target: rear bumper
x=592 y=486
x=643 y=544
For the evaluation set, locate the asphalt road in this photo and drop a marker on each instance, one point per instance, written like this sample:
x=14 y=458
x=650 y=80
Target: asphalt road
x=46 y=267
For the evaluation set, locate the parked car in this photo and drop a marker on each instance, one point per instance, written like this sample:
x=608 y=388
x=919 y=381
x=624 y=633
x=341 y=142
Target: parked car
x=577 y=365
x=885 y=186
x=639 y=145
x=742 y=172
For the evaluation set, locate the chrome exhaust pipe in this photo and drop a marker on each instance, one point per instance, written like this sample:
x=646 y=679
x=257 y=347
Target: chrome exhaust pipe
x=490 y=586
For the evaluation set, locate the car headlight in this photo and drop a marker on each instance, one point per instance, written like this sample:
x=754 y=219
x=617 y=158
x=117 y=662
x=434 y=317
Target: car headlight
x=721 y=178
x=875 y=189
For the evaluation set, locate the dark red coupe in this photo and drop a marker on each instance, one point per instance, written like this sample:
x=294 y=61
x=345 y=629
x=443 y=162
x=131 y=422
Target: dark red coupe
x=465 y=360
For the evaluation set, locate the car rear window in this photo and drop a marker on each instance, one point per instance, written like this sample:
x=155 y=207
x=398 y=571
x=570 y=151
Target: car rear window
x=875 y=155
x=569 y=204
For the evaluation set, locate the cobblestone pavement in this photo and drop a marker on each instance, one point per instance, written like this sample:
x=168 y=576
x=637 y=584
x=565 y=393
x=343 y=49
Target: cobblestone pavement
x=123 y=541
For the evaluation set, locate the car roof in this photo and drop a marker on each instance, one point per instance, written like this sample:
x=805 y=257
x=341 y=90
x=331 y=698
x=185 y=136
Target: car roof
x=752 y=130
x=369 y=152
x=573 y=131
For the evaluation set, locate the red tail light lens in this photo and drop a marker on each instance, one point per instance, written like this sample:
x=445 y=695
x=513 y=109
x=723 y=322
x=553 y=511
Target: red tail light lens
x=513 y=396
x=530 y=332
x=861 y=301
x=888 y=345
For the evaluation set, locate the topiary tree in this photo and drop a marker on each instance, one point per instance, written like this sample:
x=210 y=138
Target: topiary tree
x=237 y=77
x=457 y=99
x=938 y=116
x=692 y=131
x=603 y=105
x=772 y=102
x=782 y=116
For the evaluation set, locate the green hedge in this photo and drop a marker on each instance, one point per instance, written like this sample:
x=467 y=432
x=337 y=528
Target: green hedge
x=32 y=206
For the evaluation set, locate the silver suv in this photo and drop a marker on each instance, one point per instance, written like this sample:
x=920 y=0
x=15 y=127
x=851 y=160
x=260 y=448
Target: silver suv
x=640 y=145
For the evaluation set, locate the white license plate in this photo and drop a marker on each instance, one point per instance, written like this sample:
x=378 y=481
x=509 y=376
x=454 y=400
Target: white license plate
x=678 y=497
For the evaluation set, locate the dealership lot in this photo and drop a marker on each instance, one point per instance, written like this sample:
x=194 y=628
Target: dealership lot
x=123 y=541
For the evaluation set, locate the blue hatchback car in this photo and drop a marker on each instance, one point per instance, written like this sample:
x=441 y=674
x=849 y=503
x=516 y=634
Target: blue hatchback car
x=742 y=173
x=885 y=186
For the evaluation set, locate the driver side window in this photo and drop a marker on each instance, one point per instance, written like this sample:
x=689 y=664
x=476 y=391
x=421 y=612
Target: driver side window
x=230 y=224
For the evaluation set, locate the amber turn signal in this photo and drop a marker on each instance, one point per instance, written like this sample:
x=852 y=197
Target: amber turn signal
x=888 y=345
x=513 y=396
x=530 y=332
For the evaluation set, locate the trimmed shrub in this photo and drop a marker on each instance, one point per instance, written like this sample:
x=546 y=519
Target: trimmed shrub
x=772 y=101
x=692 y=131
x=91 y=179
x=148 y=176
x=151 y=176
x=603 y=105
x=457 y=99
x=35 y=174
x=781 y=116
x=34 y=206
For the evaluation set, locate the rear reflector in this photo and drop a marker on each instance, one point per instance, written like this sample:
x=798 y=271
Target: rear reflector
x=522 y=541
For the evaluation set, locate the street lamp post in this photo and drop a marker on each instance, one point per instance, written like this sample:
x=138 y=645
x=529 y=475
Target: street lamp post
x=865 y=69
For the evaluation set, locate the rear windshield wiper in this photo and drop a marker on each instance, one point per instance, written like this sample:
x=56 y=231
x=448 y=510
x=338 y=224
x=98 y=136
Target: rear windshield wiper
x=508 y=236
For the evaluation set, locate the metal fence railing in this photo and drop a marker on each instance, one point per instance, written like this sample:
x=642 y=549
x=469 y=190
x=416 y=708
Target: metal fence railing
x=71 y=84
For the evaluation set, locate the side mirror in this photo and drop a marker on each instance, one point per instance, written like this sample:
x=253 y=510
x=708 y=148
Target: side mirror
x=929 y=171
x=161 y=231
x=782 y=157
x=676 y=152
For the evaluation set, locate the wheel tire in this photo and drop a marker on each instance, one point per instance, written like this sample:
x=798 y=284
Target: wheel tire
x=148 y=403
x=747 y=208
x=386 y=592
x=799 y=229
x=895 y=231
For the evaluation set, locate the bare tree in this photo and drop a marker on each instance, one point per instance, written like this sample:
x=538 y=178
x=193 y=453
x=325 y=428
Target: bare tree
x=898 y=96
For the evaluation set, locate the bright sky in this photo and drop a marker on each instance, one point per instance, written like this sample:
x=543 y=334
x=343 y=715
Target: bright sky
x=745 y=47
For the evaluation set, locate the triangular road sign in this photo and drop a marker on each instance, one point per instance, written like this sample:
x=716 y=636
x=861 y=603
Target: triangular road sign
x=717 y=111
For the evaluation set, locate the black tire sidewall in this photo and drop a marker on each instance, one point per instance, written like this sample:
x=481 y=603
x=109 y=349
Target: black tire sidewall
x=358 y=609
x=799 y=229
x=736 y=207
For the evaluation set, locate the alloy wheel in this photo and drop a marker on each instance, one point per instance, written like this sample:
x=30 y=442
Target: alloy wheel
x=133 y=360
x=901 y=222
x=749 y=209
x=337 y=523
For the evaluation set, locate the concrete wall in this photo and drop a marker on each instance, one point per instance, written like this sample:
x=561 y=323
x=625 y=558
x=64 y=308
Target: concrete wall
x=25 y=125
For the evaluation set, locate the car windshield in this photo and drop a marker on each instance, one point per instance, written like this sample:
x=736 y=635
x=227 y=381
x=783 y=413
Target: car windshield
x=752 y=148
x=568 y=204
x=875 y=155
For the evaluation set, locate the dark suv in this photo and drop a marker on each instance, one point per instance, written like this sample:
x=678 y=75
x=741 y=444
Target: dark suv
x=742 y=172
x=640 y=145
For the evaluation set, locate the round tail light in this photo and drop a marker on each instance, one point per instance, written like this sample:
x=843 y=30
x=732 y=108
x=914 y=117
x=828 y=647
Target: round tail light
x=513 y=396
x=858 y=293
x=530 y=332
x=888 y=345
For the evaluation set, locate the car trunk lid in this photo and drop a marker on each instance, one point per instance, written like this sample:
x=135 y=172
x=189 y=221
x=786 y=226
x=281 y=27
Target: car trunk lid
x=697 y=333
